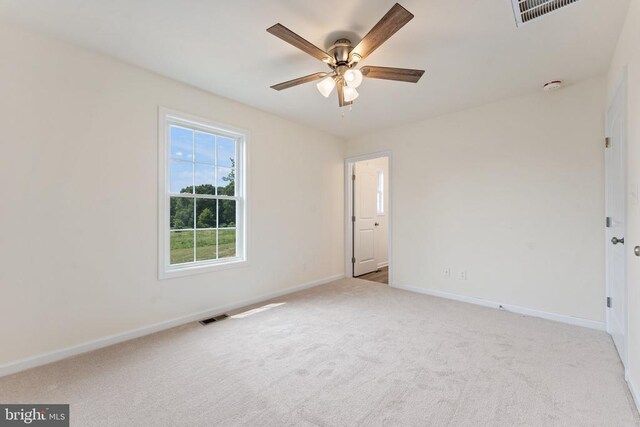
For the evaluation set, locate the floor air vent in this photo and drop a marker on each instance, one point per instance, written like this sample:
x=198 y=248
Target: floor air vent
x=214 y=319
x=527 y=10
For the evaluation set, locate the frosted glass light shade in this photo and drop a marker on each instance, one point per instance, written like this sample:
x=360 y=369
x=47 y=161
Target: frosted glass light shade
x=325 y=87
x=350 y=94
x=353 y=78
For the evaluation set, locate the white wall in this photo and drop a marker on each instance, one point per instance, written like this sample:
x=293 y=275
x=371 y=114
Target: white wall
x=511 y=192
x=79 y=175
x=627 y=57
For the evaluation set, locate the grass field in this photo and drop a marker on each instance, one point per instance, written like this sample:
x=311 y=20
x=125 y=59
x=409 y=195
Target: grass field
x=182 y=243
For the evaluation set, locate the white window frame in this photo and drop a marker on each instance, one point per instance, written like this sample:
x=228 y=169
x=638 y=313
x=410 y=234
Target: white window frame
x=380 y=192
x=166 y=118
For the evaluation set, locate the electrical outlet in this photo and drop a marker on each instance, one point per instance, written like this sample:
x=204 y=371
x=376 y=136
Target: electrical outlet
x=462 y=274
x=446 y=272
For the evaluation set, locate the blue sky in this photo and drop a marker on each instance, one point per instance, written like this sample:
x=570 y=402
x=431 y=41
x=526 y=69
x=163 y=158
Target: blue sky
x=208 y=148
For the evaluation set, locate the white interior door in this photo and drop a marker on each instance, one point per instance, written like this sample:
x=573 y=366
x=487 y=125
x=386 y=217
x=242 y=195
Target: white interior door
x=615 y=165
x=364 y=211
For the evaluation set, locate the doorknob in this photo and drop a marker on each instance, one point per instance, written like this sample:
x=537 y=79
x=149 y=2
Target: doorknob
x=636 y=250
x=615 y=240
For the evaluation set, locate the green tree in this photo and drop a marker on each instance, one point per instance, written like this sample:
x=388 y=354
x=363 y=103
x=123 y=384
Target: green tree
x=181 y=212
x=202 y=189
x=206 y=219
x=227 y=208
x=227 y=213
x=230 y=188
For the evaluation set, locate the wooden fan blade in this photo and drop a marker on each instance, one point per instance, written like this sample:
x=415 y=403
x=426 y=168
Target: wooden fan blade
x=395 y=19
x=292 y=38
x=389 y=73
x=299 y=81
x=341 y=101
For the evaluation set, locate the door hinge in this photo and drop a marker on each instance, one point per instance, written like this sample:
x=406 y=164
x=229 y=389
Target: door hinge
x=607 y=222
x=353 y=177
x=353 y=219
x=353 y=260
x=607 y=142
x=608 y=302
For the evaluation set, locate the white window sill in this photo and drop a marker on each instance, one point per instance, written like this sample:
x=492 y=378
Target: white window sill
x=182 y=270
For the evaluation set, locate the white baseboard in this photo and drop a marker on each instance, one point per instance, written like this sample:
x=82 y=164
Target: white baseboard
x=383 y=265
x=592 y=324
x=54 y=356
x=635 y=392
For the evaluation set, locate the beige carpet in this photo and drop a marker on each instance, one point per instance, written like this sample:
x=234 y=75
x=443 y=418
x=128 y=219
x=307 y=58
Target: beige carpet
x=344 y=354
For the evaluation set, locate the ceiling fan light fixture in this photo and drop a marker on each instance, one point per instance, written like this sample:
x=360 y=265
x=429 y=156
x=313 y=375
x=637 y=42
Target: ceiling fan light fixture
x=325 y=87
x=353 y=78
x=350 y=94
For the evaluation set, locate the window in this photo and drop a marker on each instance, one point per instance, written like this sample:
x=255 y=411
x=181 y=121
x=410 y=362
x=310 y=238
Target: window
x=380 y=193
x=202 y=209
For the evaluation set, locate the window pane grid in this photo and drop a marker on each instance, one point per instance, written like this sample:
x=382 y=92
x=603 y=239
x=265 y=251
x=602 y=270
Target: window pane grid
x=210 y=243
x=198 y=163
x=203 y=196
x=217 y=225
x=179 y=230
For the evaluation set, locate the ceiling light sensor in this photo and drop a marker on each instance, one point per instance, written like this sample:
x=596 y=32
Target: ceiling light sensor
x=552 y=86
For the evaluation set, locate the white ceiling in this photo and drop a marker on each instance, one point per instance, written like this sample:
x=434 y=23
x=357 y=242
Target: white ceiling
x=472 y=50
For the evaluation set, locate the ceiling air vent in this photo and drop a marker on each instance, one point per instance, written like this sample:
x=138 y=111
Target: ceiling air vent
x=527 y=10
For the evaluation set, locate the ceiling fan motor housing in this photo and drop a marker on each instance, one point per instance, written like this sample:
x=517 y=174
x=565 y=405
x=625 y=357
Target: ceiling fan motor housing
x=340 y=51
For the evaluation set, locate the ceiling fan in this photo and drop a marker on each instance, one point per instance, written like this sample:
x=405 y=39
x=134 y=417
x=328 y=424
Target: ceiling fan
x=342 y=58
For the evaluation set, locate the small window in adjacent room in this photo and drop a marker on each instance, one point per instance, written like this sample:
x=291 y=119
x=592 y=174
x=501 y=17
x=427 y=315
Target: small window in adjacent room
x=202 y=196
x=380 y=193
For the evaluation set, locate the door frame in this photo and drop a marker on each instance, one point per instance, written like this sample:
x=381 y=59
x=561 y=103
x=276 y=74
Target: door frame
x=619 y=88
x=348 y=210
